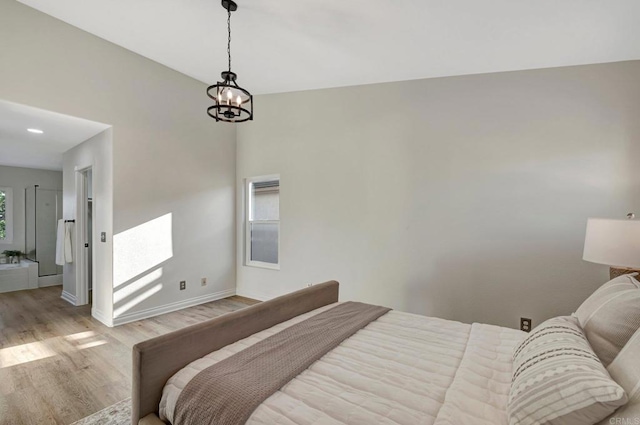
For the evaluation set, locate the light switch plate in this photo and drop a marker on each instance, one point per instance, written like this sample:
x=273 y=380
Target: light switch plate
x=103 y=236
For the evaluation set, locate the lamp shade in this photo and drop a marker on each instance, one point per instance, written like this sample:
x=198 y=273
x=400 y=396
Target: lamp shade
x=615 y=243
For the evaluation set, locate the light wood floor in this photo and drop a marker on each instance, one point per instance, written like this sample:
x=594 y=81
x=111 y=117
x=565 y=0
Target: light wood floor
x=58 y=364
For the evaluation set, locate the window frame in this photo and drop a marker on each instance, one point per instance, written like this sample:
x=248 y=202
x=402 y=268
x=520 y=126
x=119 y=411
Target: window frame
x=247 y=220
x=8 y=227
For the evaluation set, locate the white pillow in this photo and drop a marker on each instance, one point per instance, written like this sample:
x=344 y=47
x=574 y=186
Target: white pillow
x=625 y=370
x=610 y=316
x=558 y=379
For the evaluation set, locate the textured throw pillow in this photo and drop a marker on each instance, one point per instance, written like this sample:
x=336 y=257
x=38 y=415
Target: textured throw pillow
x=610 y=316
x=625 y=370
x=558 y=379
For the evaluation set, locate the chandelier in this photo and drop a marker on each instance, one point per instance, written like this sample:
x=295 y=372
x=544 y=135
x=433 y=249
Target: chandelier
x=232 y=103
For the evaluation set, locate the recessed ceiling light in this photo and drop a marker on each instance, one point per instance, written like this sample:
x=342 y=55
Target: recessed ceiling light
x=34 y=130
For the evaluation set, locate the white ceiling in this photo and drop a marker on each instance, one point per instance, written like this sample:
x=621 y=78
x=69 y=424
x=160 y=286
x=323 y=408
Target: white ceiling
x=289 y=45
x=19 y=148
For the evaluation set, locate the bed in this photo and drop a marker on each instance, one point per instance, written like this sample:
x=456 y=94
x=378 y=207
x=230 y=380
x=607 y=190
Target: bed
x=396 y=368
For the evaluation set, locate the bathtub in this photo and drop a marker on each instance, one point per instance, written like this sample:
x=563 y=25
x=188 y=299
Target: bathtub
x=15 y=277
x=11 y=266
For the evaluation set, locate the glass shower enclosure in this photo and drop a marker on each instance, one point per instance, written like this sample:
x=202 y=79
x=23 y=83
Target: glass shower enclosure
x=43 y=209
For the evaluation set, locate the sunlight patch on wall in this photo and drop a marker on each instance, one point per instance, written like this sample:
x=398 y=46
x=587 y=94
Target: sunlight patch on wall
x=118 y=311
x=136 y=286
x=141 y=248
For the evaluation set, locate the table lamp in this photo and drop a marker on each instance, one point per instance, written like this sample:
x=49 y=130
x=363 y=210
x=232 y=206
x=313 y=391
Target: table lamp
x=615 y=243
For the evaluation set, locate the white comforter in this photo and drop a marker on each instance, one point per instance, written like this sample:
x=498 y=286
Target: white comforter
x=400 y=369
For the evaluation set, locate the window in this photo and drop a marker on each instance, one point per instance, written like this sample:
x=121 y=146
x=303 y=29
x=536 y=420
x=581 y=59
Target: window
x=263 y=222
x=6 y=215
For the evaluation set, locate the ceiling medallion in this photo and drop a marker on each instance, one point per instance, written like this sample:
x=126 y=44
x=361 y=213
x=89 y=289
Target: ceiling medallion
x=232 y=103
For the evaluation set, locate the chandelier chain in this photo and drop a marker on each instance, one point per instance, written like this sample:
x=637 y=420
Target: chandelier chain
x=229 y=36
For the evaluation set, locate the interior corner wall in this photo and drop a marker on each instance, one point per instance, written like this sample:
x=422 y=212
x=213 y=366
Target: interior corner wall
x=97 y=153
x=464 y=197
x=19 y=178
x=173 y=167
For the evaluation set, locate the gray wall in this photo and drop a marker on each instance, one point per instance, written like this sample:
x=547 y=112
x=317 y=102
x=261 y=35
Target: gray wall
x=171 y=160
x=465 y=197
x=19 y=179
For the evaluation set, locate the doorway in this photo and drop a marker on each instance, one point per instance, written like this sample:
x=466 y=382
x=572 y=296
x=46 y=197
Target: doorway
x=86 y=230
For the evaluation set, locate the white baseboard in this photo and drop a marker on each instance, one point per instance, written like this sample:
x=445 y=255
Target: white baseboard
x=101 y=317
x=71 y=299
x=45 y=281
x=168 y=308
x=253 y=295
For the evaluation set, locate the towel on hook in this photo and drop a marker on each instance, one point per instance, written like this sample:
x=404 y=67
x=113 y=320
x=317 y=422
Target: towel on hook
x=68 y=251
x=60 y=243
x=64 y=249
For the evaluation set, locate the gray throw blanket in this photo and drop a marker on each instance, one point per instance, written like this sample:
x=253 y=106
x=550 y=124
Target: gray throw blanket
x=228 y=392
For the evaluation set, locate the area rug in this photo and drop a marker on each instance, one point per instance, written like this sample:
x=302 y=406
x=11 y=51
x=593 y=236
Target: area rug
x=118 y=414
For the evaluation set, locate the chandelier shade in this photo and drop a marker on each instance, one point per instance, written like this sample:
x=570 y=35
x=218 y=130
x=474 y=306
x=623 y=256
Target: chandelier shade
x=231 y=103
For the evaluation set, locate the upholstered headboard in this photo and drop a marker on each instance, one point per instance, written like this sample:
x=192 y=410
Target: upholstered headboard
x=157 y=359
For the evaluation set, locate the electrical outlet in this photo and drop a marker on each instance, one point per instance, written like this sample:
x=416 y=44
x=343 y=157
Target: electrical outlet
x=203 y=281
x=183 y=285
x=309 y=285
x=525 y=324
